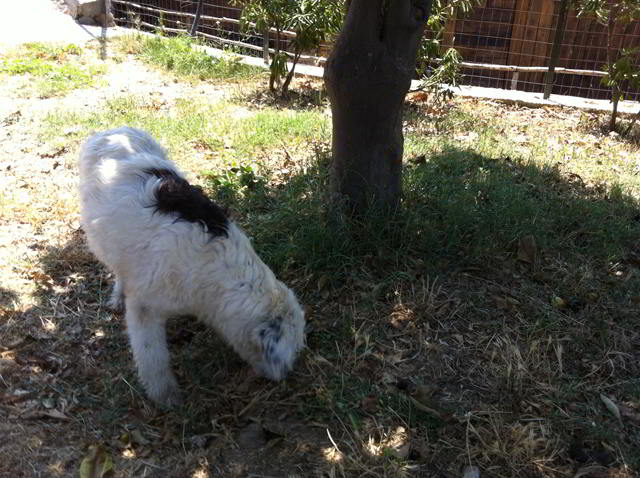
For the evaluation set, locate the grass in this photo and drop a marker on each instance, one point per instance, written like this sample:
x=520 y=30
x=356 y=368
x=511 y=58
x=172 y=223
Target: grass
x=181 y=56
x=56 y=70
x=464 y=212
x=459 y=205
x=222 y=139
x=478 y=326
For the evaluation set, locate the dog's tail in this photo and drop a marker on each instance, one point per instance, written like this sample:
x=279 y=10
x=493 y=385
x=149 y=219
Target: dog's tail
x=121 y=152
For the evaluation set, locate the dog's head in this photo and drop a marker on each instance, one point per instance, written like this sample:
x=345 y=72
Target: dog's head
x=279 y=337
x=263 y=320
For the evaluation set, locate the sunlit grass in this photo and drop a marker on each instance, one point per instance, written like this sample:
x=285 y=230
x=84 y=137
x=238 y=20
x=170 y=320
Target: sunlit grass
x=190 y=124
x=177 y=54
x=51 y=70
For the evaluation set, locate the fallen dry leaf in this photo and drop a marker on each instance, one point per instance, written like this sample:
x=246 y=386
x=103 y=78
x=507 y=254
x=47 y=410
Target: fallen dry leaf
x=420 y=395
x=419 y=96
x=42 y=279
x=401 y=452
x=17 y=396
x=370 y=404
x=323 y=282
x=138 y=438
x=527 y=249
x=53 y=413
x=558 y=302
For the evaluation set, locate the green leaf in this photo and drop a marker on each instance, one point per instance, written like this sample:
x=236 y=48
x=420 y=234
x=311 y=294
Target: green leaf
x=611 y=406
x=97 y=463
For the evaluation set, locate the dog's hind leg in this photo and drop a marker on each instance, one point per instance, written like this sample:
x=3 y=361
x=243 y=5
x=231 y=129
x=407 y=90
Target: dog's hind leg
x=147 y=335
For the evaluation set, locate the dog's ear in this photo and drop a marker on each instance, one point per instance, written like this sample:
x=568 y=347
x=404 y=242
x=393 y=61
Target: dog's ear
x=274 y=351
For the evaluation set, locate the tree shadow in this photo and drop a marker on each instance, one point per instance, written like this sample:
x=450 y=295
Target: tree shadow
x=521 y=254
x=458 y=206
x=8 y=299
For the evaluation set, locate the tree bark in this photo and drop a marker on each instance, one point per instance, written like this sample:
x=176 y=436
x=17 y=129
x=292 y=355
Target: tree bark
x=614 y=108
x=274 y=78
x=367 y=76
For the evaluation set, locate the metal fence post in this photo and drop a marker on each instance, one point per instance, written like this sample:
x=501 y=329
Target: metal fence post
x=194 y=27
x=555 y=48
x=514 y=80
x=265 y=46
x=105 y=25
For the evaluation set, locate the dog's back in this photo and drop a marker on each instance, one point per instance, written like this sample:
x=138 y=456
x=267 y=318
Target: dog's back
x=117 y=156
x=117 y=189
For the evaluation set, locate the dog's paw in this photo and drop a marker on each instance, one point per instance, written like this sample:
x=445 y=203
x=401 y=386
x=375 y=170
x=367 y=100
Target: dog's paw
x=116 y=302
x=168 y=396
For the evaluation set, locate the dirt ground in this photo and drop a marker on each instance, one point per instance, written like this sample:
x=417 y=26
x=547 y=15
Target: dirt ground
x=55 y=331
x=70 y=400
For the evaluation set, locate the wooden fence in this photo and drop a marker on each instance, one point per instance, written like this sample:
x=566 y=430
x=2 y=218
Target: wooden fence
x=504 y=44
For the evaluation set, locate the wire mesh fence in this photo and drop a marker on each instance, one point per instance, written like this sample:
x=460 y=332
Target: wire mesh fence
x=520 y=33
x=218 y=23
x=504 y=44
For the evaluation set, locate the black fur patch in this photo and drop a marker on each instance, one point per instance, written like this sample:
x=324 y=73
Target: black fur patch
x=271 y=335
x=176 y=196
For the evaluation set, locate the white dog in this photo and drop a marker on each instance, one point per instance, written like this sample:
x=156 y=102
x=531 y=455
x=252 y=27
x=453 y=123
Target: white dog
x=174 y=252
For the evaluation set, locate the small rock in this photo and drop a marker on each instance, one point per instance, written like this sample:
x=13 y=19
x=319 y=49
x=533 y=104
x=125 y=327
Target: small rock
x=251 y=437
x=199 y=441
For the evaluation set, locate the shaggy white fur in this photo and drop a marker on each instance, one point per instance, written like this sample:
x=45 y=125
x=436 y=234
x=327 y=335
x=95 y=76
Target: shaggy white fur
x=165 y=265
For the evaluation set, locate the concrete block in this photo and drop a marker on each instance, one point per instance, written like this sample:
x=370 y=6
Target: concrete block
x=84 y=20
x=72 y=8
x=111 y=22
x=85 y=8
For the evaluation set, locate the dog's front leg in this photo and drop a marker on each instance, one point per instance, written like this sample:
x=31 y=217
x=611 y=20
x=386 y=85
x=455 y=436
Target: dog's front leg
x=147 y=335
x=116 y=301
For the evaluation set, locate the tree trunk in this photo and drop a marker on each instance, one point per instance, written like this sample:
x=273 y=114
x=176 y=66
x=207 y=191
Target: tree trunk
x=274 y=78
x=287 y=81
x=367 y=76
x=614 y=109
